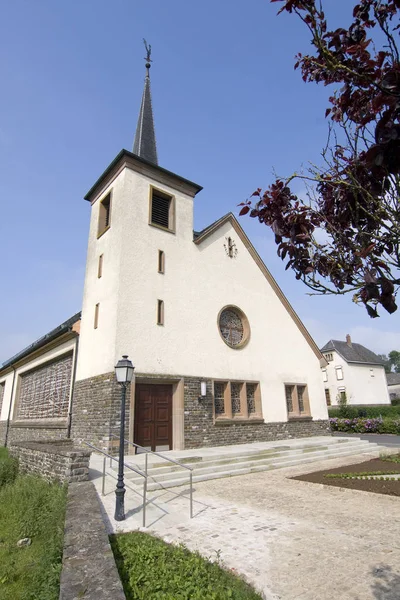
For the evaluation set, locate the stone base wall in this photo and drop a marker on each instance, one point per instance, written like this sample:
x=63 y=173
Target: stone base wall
x=36 y=431
x=3 y=429
x=96 y=411
x=55 y=461
x=200 y=429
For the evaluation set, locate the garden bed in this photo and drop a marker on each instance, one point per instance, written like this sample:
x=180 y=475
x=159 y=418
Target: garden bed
x=151 y=569
x=377 y=486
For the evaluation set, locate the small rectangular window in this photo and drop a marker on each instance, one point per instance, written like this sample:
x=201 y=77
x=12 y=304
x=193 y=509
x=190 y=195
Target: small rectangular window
x=160 y=312
x=329 y=357
x=104 y=215
x=161 y=209
x=339 y=373
x=371 y=372
x=96 y=316
x=161 y=261
x=325 y=375
x=2 y=388
x=327 y=397
x=100 y=266
x=297 y=402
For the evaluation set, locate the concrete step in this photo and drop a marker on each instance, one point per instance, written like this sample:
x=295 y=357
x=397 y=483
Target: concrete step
x=166 y=467
x=248 y=461
x=252 y=463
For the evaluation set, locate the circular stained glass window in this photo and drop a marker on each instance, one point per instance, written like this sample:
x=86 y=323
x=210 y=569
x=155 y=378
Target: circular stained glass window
x=233 y=326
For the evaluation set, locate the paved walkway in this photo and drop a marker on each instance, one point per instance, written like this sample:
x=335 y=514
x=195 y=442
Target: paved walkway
x=382 y=439
x=291 y=539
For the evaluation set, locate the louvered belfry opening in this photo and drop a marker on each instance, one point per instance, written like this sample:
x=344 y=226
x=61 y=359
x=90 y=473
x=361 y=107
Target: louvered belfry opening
x=160 y=209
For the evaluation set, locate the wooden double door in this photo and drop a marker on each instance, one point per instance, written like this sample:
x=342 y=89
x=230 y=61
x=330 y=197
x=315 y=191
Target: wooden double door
x=153 y=416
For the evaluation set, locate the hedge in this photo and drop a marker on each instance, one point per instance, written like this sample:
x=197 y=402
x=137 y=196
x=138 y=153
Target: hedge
x=368 y=412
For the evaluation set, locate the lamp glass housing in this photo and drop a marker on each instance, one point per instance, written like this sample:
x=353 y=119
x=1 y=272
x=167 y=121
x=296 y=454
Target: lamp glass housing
x=124 y=370
x=203 y=388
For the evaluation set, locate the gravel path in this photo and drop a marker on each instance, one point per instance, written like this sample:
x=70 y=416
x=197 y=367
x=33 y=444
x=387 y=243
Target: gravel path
x=294 y=539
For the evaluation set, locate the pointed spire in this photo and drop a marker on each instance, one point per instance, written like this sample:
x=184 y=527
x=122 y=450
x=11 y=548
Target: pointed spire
x=145 y=139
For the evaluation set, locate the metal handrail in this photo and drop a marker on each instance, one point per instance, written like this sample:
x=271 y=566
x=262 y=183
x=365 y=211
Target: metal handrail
x=147 y=451
x=138 y=471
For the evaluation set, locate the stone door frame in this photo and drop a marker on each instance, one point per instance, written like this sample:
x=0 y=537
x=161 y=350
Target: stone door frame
x=178 y=433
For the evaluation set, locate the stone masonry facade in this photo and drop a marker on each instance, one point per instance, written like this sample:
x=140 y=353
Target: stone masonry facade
x=96 y=411
x=3 y=429
x=54 y=461
x=201 y=430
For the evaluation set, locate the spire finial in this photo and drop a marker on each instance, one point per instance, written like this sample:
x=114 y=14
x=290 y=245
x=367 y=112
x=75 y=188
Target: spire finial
x=148 y=55
x=144 y=144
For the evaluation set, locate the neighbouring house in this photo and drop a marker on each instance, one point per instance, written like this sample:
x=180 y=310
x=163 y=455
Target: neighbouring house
x=353 y=374
x=221 y=357
x=393 y=384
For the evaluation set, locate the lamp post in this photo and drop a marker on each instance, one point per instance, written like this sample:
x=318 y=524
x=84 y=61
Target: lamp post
x=124 y=373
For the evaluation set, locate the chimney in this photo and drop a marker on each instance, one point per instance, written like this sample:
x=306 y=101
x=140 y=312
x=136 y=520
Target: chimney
x=348 y=340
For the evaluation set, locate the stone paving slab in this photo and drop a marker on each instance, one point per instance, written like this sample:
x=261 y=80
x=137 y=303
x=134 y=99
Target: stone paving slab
x=290 y=539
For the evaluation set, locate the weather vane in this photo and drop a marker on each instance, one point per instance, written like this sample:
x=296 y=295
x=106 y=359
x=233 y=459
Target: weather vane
x=148 y=51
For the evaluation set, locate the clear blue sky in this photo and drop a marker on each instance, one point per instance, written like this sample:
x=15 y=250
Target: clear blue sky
x=229 y=110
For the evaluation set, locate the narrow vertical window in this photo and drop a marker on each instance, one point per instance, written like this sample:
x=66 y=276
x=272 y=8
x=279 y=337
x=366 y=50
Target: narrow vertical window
x=300 y=397
x=161 y=261
x=325 y=375
x=100 y=266
x=2 y=388
x=219 y=397
x=289 y=397
x=104 y=215
x=327 y=397
x=96 y=316
x=160 y=312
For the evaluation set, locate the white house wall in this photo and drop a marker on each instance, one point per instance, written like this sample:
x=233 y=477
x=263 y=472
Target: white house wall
x=360 y=386
x=199 y=281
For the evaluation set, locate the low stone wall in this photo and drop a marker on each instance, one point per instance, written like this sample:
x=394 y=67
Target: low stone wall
x=55 y=461
x=21 y=431
x=89 y=569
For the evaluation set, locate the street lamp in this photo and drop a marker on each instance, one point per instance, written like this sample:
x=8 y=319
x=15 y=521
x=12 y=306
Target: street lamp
x=124 y=373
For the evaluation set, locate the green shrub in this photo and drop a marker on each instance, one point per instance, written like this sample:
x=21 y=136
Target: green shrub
x=151 y=569
x=395 y=401
x=8 y=467
x=33 y=508
x=368 y=412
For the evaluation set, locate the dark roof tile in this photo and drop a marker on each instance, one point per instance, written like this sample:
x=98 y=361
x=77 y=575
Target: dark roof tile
x=356 y=353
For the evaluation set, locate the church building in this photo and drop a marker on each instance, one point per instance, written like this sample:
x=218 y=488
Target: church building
x=220 y=355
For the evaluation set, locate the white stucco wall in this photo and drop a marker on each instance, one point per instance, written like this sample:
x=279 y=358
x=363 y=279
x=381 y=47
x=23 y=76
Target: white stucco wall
x=198 y=281
x=364 y=384
x=55 y=352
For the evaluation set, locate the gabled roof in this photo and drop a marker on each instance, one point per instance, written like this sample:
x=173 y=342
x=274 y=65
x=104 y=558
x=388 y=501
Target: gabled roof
x=200 y=236
x=354 y=353
x=393 y=378
x=45 y=339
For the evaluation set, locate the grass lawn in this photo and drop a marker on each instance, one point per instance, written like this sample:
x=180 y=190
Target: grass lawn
x=30 y=507
x=151 y=569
